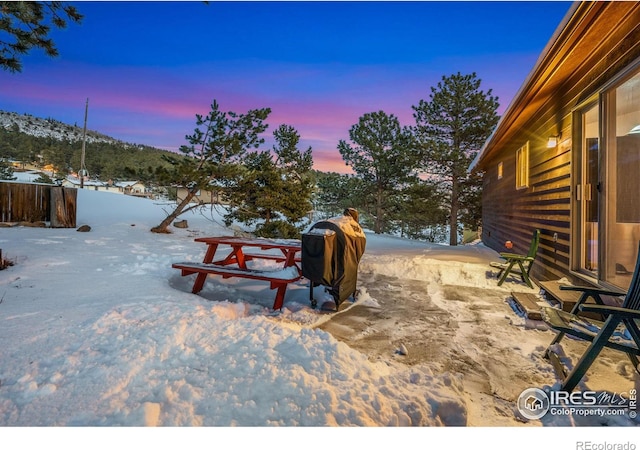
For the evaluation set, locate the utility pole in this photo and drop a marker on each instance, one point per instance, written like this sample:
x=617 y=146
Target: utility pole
x=83 y=171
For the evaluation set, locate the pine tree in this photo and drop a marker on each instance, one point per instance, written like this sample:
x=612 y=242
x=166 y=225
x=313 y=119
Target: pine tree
x=44 y=179
x=6 y=170
x=451 y=128
x=273 y=190
x=335 y=192
x=56 y=155
x=27 y=25
x=383 y=157
x=217 y=146
x=422 y=211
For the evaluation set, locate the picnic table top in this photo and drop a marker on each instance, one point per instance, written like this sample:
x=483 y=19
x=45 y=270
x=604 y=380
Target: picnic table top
x=288 y=274
x=263 y=243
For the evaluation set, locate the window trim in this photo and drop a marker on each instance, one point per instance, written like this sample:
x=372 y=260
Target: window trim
x=522 y=167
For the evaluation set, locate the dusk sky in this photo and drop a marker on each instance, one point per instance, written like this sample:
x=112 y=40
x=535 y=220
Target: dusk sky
x=148 y=67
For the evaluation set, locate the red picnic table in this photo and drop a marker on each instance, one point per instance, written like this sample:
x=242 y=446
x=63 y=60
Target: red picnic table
x=234 y=264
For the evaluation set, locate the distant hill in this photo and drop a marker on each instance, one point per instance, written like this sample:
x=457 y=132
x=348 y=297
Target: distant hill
x=52 y=128
x=40 y=142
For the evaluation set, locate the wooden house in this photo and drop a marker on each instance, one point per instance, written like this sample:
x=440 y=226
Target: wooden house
x=565 y=156
x=74 y=182
x=203 y=196
x=136 y=188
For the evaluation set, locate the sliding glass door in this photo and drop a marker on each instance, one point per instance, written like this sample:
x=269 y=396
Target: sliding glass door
x=622 y=188
x=587 y=191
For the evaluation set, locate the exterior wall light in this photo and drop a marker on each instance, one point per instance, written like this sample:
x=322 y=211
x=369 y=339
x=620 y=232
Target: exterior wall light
x=553 y=141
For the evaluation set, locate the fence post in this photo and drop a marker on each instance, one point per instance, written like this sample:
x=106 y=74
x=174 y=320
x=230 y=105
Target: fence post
x=63 y=207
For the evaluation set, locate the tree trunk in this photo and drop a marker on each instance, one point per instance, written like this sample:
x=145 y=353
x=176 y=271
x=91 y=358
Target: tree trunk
x=453 y=219
x=379 y=213
x=162 y=228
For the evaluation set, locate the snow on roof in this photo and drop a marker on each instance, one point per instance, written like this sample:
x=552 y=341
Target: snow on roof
x=76 y=181
x=126 y=183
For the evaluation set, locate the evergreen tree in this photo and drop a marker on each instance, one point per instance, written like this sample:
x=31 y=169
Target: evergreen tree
x=471 y=201
x=56 y=155
x=451 y=128
x=6 y=147
x=218 y=144
x=335 y=192
x=383 y=157
x=6 y=170
x=26 y=25
x=274 y=188
x=422 y=212
x=44 y=178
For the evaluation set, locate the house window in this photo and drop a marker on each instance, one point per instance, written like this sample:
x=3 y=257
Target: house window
x=500 y=170
x=522 y=167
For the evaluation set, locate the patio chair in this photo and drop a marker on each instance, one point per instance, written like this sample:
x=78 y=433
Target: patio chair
x=619 y=331
x=518 y=264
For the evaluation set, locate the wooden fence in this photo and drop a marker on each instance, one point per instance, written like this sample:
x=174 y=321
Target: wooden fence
x=29 y=202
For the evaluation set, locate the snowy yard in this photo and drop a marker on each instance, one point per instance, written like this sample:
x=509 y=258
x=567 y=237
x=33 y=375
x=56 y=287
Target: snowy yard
x=97 y=329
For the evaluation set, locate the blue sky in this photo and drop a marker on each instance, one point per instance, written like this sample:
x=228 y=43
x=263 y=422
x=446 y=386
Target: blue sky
x=149 y=67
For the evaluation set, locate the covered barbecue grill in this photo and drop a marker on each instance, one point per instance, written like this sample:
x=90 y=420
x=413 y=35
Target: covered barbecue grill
x=331 y=252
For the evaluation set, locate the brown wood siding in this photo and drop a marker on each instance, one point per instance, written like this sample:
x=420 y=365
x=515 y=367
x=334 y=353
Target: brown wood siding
x=604 y=43
x=512 y=214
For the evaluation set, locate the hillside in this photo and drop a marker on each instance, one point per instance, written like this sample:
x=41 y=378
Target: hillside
x=50 y=128
x=41 y=141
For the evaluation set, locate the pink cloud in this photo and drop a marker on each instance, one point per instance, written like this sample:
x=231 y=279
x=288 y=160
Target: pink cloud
x=158 y=106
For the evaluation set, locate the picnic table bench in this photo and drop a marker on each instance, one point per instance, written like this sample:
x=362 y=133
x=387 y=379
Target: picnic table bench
x=234 y=264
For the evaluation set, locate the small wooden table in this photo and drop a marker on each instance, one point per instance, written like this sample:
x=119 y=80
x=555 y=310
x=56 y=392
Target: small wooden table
x=235 y=263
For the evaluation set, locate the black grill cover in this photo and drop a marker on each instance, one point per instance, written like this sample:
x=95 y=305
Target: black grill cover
x=331 y=252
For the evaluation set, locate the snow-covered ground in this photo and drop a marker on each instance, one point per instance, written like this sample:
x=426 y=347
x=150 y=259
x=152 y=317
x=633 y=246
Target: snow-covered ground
x=97 y=330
